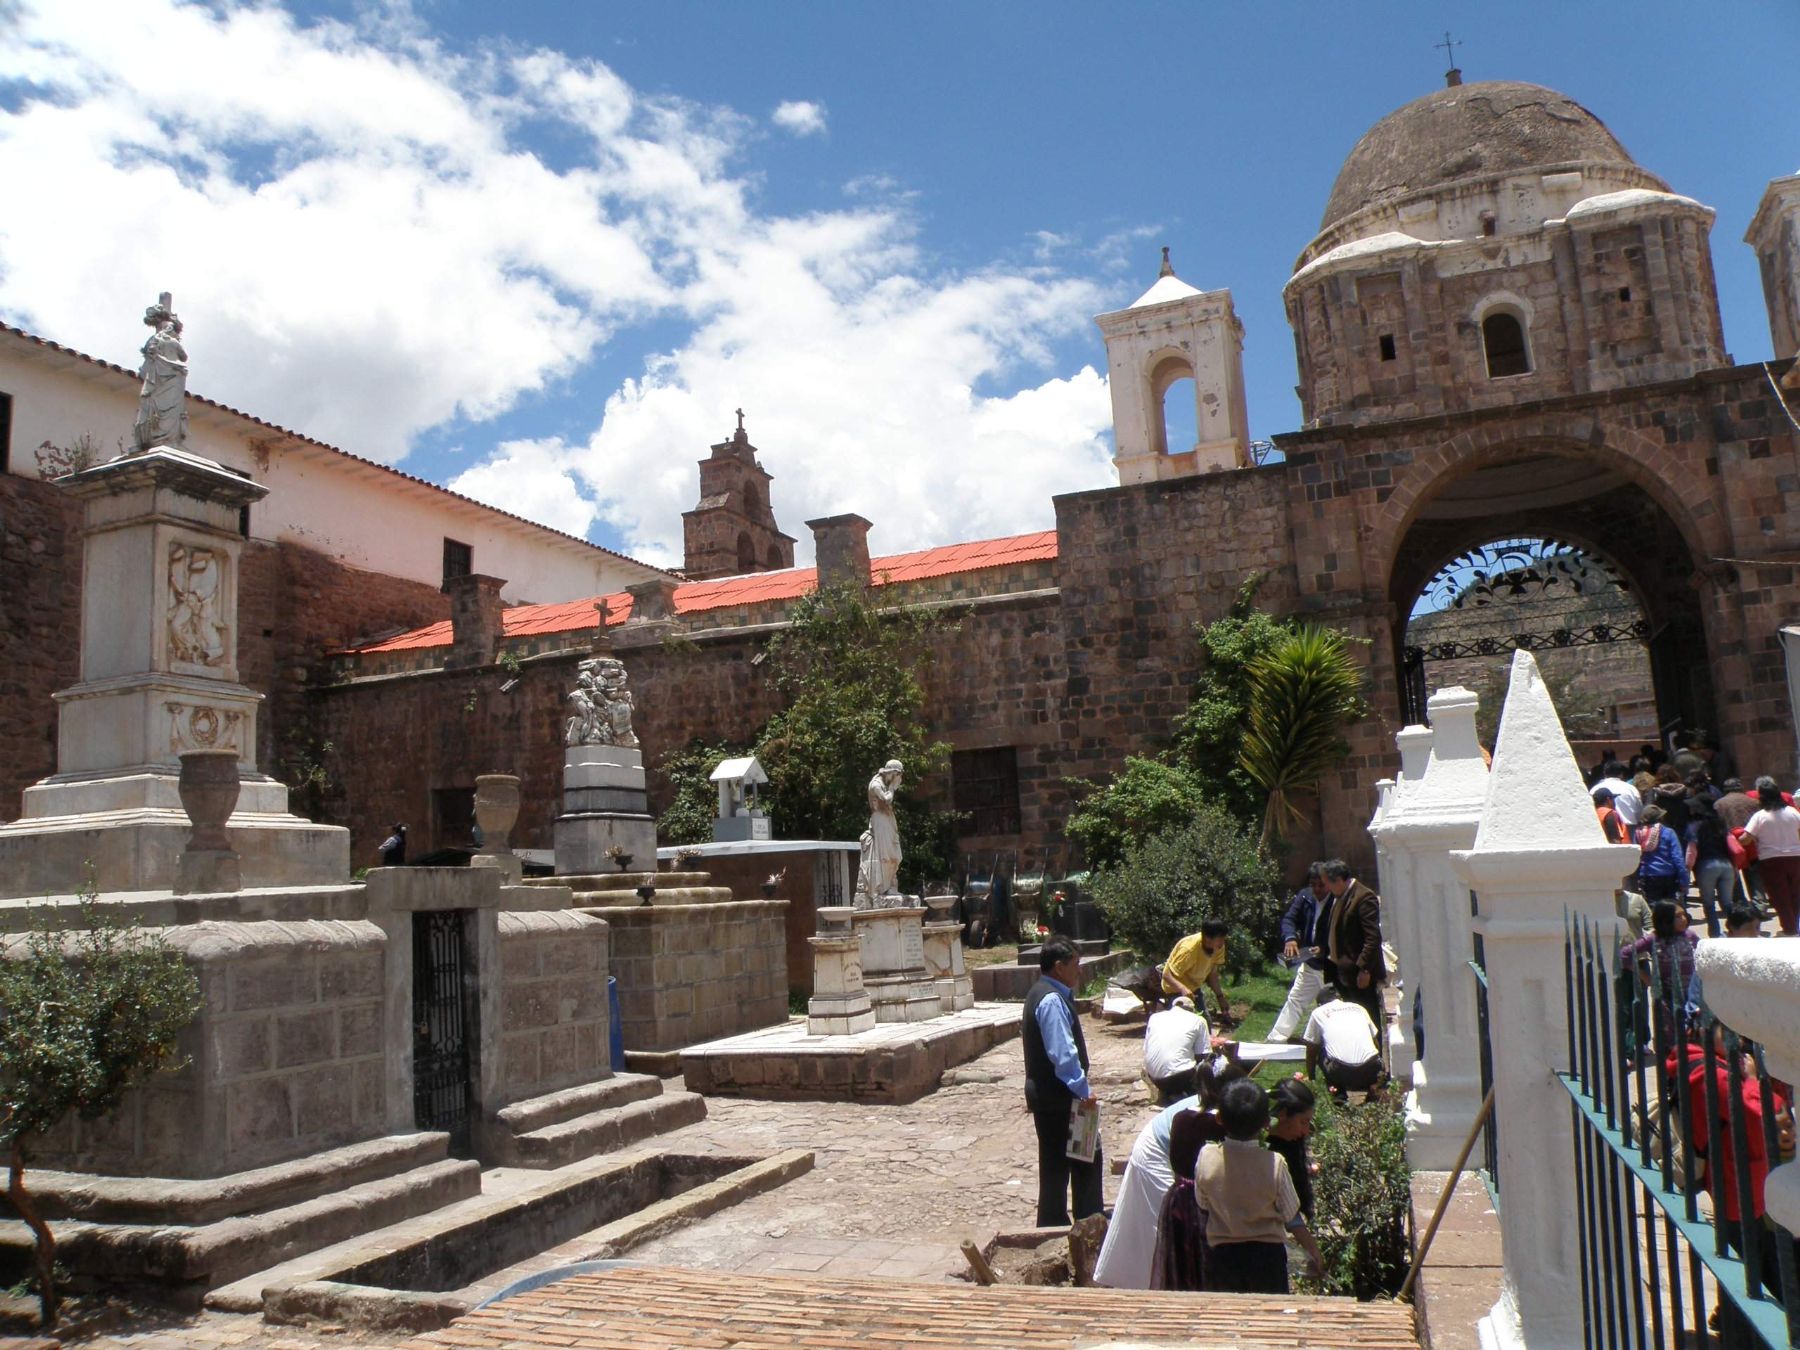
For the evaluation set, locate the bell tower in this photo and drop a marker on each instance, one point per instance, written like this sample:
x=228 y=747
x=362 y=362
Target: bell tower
x=732 y=529
x=1174 y=333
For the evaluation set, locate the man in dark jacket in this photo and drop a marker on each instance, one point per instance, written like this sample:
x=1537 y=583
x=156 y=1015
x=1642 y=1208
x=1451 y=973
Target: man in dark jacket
x=1358 y=969
x=1304 y=930
x=1056 y=1085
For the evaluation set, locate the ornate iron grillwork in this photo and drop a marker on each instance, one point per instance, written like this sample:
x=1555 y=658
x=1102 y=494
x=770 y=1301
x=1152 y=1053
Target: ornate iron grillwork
x=1510 y=570
x=442 y=1026
x=1637 y=630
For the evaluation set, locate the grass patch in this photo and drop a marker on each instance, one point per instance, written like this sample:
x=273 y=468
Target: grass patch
x=1256 y=997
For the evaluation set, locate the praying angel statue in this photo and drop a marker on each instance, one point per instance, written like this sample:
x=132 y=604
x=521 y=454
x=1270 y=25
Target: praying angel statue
x=162 y=414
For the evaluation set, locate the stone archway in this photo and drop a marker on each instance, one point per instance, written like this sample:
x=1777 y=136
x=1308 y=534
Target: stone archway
x=1588 y=500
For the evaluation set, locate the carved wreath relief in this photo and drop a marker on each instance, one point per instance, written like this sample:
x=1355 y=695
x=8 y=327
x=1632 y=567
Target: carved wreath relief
x=198 y=628
x=194 y=726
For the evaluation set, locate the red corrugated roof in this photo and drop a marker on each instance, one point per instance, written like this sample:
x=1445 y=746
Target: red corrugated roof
x=694 y=597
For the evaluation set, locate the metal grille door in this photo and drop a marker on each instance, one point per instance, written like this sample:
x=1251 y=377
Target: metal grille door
x=442 y=1026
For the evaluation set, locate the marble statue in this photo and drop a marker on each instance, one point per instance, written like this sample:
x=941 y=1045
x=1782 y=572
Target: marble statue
x=162 y=414
x=878 y=876
x=602 y=705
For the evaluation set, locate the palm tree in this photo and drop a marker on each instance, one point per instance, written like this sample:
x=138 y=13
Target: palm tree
x=1302 y=693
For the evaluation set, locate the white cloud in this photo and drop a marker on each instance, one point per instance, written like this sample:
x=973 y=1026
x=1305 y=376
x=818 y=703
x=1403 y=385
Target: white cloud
x=533 y=479
x=800 y=117
x=366 y=244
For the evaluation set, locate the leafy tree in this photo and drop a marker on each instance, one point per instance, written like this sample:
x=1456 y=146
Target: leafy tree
x=695 y=803
x=850 y=672
x=1148 y=796
x=1303 y=690
x=1169 y=883
x=1208 y=735
x=85 y=1015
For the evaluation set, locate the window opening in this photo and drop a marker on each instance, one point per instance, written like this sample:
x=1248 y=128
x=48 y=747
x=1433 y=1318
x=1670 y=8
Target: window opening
x=5 y=433
x=459 y=559
x=985 y=789
x=746 y=552
x=1503 y=338
x=1387 y=346
x=1624 y=292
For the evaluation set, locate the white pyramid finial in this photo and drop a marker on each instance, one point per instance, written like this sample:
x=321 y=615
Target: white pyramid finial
x=1536 y=795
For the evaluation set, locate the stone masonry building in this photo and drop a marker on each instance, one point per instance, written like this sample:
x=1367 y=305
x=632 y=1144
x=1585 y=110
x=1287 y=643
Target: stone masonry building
x=1505 y=328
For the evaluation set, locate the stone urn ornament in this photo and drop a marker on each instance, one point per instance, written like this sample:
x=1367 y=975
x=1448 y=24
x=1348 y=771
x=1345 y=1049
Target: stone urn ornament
x=208 y=788
x=620 y=858
x=496 y=810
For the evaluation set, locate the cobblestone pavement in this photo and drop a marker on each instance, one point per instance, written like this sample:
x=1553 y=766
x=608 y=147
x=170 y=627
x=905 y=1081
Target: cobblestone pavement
x=892 y=1192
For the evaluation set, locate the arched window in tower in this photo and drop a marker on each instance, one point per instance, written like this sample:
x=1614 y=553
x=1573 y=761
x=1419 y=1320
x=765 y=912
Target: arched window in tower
x=1503 y=340
x=746 y=552
x=776 y=562
x=752 y=500
x=1173 y=427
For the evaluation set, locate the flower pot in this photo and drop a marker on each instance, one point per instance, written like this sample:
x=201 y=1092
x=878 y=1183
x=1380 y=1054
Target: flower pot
x=496 y=810
x=622 y=861
x=645 y=891
x=208 y=787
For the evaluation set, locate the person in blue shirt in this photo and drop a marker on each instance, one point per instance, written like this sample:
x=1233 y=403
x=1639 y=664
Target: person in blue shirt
x=1305 y=928
x=1056 y=1084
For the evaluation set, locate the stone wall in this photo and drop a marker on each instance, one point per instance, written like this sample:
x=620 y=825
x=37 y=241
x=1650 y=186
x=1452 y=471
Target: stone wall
x=553 y=1007
x=692 y=973
x=284 y=1058
x=40 y=626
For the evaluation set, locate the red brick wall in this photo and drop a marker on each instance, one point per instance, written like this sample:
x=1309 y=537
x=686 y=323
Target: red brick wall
x=40 y=626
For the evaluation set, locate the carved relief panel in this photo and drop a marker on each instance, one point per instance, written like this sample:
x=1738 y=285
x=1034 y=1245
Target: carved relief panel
x=194 y=726
x=198 y=609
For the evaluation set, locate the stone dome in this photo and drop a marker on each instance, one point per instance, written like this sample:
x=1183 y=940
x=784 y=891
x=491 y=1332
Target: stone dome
x=1467 y=131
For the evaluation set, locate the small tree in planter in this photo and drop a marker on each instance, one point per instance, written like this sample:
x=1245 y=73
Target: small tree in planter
x=85 y=1015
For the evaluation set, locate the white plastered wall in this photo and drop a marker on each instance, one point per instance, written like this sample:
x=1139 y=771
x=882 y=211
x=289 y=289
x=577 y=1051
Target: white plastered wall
x=350 y=510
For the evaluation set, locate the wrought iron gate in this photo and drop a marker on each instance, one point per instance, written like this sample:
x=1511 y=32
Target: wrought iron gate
x=443 y=1025
x=1664 y=1249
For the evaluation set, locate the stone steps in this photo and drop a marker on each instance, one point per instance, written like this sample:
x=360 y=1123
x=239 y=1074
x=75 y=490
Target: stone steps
x=601 y=1131
x=220 y=1252
x=554 y=1108
x=155 y=1200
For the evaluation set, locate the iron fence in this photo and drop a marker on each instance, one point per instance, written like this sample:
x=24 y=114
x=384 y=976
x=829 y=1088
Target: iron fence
x=1676 y=1123
x=1490 y=1138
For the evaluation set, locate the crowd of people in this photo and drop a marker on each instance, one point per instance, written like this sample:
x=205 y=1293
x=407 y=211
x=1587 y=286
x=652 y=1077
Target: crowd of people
x=1695 y=833
x=1218 y=1182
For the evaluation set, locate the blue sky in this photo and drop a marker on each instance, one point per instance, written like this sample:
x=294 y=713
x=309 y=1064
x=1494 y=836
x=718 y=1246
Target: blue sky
x=540 y=251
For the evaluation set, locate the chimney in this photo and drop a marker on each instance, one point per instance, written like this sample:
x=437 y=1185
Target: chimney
x=841 y=544
x=475 y=620
x=652 y=614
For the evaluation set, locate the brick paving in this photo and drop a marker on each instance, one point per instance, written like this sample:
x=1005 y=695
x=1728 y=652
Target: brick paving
x=893 y=1191
x=654 y=1309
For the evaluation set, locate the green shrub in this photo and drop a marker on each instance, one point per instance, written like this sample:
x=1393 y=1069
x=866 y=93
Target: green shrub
x=1361 y=1197
x=1209 y=868
x=1147 y=797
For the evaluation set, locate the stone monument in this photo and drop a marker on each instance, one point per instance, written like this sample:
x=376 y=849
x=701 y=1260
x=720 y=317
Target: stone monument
x=605 y=823
x=159 y=677
x=893 y=942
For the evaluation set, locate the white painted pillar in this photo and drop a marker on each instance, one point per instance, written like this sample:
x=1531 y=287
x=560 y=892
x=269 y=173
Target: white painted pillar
x=1539 y=856
x=1440 y=816
x=1399 y=899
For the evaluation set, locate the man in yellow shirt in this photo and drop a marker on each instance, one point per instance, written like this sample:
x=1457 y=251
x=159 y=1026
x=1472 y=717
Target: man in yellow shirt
x=1197 y=960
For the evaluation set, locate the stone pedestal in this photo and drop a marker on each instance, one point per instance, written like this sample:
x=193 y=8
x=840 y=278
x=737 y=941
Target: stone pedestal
x=893 y=962
x=839 y=1005
x=604 y=806
x=944 y=956
x=159 y=676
